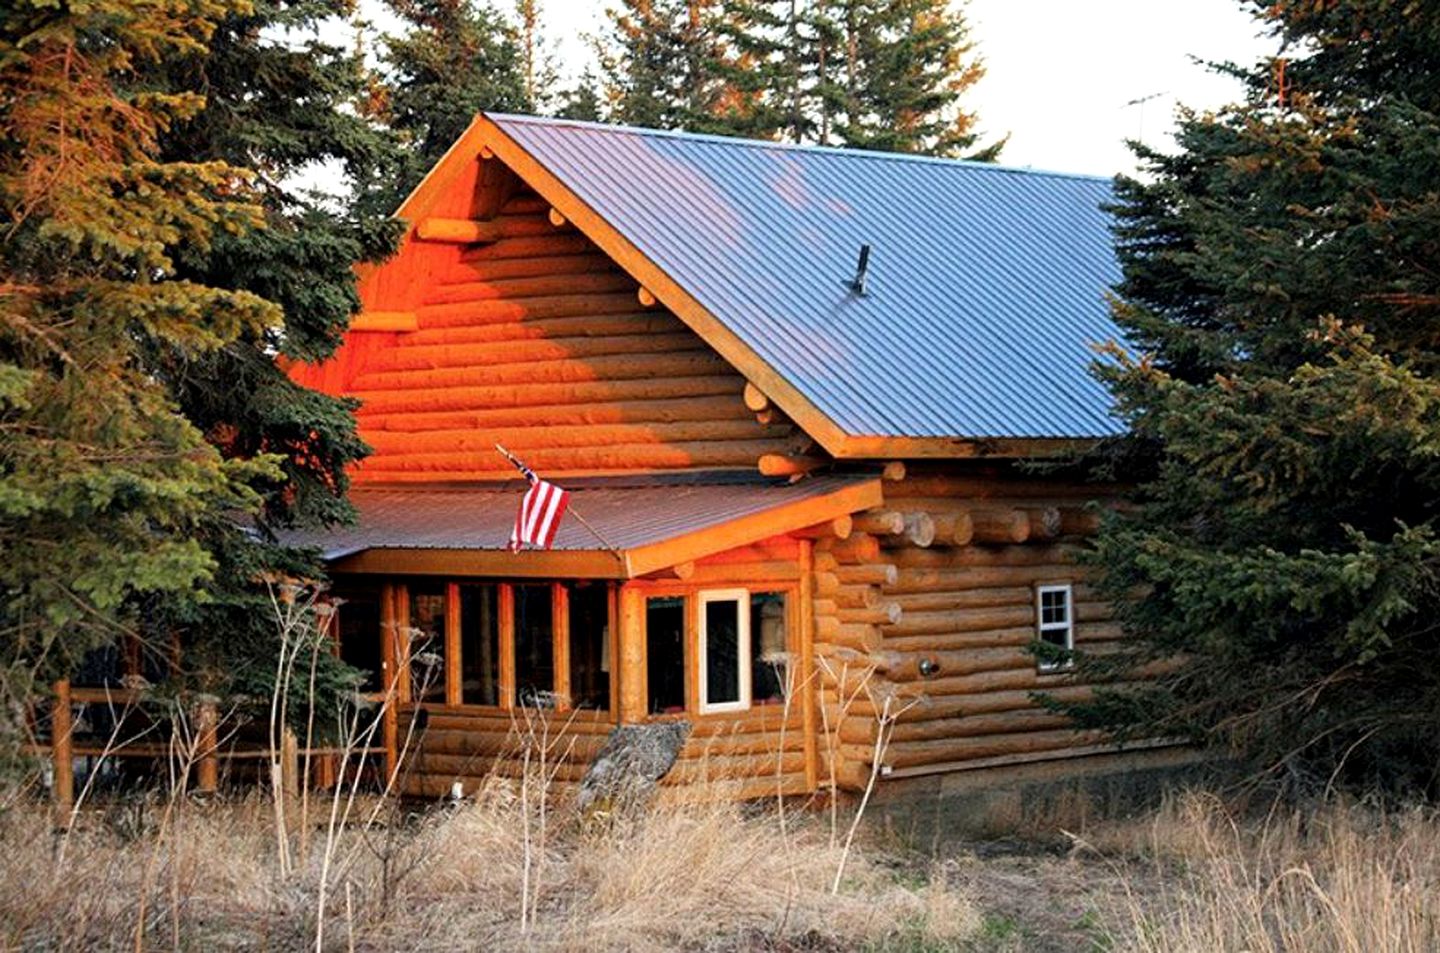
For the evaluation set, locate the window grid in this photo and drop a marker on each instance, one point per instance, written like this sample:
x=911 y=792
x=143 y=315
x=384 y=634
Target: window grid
x=1054 y=622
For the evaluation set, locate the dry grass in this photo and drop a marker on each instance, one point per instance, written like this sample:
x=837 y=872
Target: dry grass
x=1342 y=878
x=710 y=876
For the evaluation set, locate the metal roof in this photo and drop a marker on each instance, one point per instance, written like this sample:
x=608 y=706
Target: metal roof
x=630 y=513
x=986 y=286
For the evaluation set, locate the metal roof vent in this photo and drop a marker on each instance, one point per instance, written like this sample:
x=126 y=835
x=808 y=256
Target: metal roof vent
x=857 y=284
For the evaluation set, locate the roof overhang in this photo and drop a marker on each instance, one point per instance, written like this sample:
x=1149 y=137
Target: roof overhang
x=654 y=526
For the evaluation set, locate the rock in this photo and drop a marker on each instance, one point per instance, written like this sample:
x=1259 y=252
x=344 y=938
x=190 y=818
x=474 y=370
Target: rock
x=633 y=759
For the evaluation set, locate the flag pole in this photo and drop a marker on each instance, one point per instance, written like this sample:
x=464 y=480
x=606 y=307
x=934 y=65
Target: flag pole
x=570 y=510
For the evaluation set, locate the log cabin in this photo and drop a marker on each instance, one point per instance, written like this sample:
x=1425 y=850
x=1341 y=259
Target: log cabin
x=791 y=391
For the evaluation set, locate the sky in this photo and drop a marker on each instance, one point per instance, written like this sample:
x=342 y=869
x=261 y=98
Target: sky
x=1062 y=76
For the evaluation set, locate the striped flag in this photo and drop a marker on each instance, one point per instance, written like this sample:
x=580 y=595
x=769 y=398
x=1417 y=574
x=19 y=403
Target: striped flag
x=541 y=509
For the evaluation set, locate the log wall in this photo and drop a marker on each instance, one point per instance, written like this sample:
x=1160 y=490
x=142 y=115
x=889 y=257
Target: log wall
x=540 y=342
x=945 y=574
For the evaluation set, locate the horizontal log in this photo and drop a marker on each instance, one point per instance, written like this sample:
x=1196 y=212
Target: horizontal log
x=885 y=613
x=384 y=321
x=965 y=599
x=1044 y=522
x=855 y=548
x=581 y=349
x=558 y=437
x=1088 y=635
x=777 y=464
x=777 y=571
x=872 y=573
x=458 y=230
x=857 y=636
x=919 y=529
x=537 y=286
x=705 y=770
x=525 y=203
x=838 y=528
x=881 y=522
x=858 y=731
x=609 y=367
x=912 y=753
x=1075 y=521
x=999 y=525
x=404 y=400
x=540 y=246
x=618 y=412
x=605 y=325
x=954 y=528
x=725 y=453
x=504 y=310
x=964 y=620
x=1000 y=487
x=1051 y=554
x=850 y=597
x=943 y=710
x=461 y=766
x=529 y=267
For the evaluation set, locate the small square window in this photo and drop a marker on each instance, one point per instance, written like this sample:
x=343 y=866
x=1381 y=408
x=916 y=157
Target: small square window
x=1054 y=622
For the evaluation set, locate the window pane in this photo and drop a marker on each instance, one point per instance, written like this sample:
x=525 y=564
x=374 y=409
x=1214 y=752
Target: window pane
x=768 y=648
x=665 y=653
x=427 y=643
x=358 y=629
x=480 y=645
x=722 y=651
x=589 y=645
x=534 y=646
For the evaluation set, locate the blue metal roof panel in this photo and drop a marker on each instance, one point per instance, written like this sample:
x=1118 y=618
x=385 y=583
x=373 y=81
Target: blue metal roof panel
x=986 y=287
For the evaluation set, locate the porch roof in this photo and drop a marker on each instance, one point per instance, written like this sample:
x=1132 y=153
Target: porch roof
x=652 y=523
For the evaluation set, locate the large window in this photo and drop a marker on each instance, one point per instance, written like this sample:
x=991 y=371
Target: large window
x=535 y=646
x=738 y=640
x=357 y=629
x=480 y=644
x=589 y=618
x=427 y=641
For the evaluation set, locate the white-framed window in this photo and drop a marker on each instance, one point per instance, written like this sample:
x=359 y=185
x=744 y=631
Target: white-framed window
x=1055 y=621
x=724 y=669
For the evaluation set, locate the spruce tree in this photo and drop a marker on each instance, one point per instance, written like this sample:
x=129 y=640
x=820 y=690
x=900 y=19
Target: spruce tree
x=1282 y=301
x=455 y=58
x=662 y=65
x=106 y=487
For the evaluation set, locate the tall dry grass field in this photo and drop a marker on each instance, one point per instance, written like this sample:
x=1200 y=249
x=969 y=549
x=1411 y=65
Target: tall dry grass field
x=479 y=874
x=1340 y=879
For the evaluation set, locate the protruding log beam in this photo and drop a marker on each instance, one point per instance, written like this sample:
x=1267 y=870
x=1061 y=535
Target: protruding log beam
x=767 y=416
x=858 y=636
x=894 y=471
x=919 y=529
x=857 y=548
x=781 y=464
x=883 y=522
x=755 y=399
x=1045 y=522
x=838 y=528
x=459 y=231
x=681 y=571
x=646 y=297
x=486 y=154
x=885 y=613
x=875 y=574
x=1000 y=525
x=954 y=528
x=385 y=321
x=557 y=218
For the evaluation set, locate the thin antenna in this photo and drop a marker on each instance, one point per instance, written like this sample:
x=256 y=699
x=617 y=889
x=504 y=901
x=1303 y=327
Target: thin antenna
x=858 y=284
x=1140 y=133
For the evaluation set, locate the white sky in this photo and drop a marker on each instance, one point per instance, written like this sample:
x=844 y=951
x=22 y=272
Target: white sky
x=1059 y=72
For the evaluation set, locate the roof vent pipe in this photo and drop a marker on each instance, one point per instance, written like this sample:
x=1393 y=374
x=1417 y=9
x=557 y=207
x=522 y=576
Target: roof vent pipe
x=858 y=284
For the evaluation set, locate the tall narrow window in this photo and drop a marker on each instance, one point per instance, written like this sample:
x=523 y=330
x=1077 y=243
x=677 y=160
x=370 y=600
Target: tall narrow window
x=534 y=646
x=589 y=644
x=480 y=644
x=357 y=628
x=724 y=650
x=665 y=653
x=1054 y=623
x=769 y=653
x=427 y=641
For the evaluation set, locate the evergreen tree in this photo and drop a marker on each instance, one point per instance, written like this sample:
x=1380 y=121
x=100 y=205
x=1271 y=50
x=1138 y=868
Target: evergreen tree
x=662 y=64
x=1279 y=286
x=278 y=103
x=106 y=487
x=455 y=59
x=898 y=72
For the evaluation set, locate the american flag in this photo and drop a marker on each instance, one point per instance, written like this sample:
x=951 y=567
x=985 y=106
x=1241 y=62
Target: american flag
x=541 y=509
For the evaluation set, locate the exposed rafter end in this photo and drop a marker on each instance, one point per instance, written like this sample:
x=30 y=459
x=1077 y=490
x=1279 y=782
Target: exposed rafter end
x=557 y=218
x=646 y=297
x=780 y=464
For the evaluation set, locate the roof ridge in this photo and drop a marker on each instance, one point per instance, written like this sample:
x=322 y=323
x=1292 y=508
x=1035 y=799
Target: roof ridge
x=770 y=144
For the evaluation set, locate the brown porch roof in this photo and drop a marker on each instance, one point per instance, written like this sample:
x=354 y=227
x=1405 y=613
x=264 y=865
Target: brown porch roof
x=652 y=522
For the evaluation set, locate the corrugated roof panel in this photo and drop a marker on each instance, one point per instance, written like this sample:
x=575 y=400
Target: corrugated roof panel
x=986 y=287
x=629 y=514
